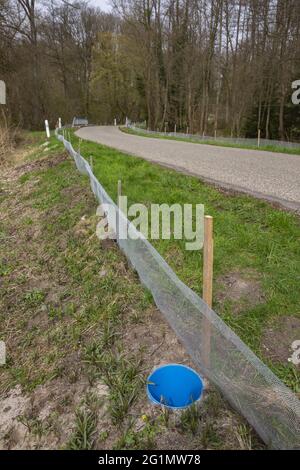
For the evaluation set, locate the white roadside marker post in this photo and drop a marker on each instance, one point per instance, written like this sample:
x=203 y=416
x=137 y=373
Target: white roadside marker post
x=47 y=129
x=2 y=92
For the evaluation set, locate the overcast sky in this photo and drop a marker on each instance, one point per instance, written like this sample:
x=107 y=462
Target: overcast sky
x=103 y=4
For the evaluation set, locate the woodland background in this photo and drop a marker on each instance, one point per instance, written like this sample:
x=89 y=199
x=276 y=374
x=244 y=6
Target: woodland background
x=225 y=65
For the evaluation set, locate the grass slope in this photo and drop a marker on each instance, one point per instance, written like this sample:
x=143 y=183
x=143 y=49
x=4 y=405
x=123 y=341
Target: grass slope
x=82 y=334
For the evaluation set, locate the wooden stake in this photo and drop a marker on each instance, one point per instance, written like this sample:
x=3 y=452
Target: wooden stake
x=118 y=202
x=119 y=191
x=258 y=138
x=208 y=257
x=91 y=162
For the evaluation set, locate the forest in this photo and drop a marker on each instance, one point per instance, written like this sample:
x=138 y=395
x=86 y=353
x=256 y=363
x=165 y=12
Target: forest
x=206 y=66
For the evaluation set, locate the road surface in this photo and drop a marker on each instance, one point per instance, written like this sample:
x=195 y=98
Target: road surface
x=266 y=175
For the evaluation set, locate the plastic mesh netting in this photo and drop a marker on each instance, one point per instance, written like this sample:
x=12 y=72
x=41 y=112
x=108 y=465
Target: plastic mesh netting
x=225 y=140
x=251 y=387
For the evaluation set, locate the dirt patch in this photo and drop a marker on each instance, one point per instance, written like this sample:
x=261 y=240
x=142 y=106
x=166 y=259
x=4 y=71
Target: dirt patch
x=241 y=289
x=157 y=337
x=108 y=244
x=85 y=225
x=45 y=419
x=11 y=407
x=36 y=165
x=277 y=339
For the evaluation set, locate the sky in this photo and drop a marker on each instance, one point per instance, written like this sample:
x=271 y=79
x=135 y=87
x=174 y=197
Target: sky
x=103 y=4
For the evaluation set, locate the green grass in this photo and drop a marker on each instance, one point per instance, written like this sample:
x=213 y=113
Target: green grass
x=190 y=419
x=249 y=235
x=142 y=440
x=85 y=429
x=37 y=146
x=218 y=143
x=121 y=374
x=58 y=256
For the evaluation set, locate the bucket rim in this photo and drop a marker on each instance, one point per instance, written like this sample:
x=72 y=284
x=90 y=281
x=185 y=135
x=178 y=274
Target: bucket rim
x=156 y=402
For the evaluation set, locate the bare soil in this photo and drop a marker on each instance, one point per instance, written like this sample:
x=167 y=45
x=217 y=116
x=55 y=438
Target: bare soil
x=242 y=289
x=278 y=339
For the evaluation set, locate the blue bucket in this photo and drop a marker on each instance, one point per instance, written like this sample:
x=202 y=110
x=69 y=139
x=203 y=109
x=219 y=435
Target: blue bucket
x=175 y=386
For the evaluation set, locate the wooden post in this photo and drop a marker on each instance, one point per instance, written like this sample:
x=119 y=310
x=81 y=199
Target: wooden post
x=119 y=191
x=79 y=145
x=118 y=203
x=187 y=130
x=208 y=257
x=258 y=138
x=91 y=162
x=215 y=134
x=174 y=128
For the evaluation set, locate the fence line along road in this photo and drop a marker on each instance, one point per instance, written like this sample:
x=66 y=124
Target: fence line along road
x=248 y=384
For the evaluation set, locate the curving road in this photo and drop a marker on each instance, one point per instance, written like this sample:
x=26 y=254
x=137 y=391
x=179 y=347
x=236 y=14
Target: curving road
x=266 y=175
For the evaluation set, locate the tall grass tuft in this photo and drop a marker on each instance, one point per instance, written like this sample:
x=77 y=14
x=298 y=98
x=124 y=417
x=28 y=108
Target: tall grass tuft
x=8 y=135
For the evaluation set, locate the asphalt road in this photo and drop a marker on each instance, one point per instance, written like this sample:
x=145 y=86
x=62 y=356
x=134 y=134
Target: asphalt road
x=266 y=175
